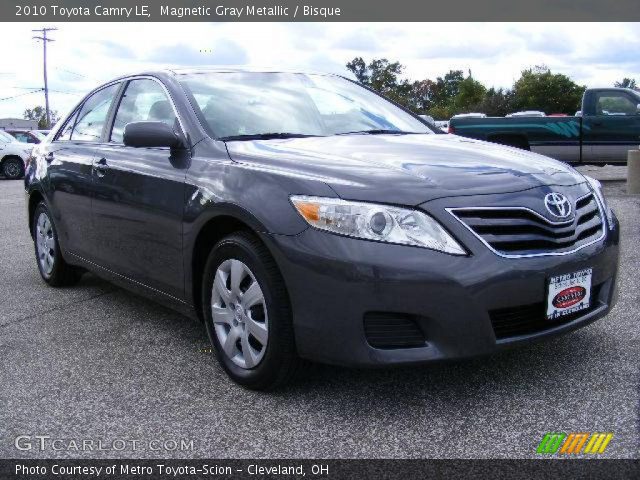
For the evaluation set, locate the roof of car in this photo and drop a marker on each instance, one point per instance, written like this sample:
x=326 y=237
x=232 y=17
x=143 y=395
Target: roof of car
x=220 y=69
x=242 y=68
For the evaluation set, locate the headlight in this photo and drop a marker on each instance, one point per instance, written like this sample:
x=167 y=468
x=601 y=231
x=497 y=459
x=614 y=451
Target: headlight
x=596 y=186
x=376 y=222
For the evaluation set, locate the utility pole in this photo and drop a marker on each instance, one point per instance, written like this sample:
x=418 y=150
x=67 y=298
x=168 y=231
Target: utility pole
x=44 y=39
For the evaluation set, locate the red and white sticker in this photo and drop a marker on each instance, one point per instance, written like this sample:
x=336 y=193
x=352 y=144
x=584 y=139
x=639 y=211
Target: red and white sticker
x=569 y=293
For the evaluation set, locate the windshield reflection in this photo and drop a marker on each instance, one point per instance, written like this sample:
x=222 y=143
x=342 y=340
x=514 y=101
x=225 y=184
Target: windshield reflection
x=238 y=104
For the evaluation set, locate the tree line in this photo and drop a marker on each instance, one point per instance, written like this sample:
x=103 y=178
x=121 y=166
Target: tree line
x=536 y=89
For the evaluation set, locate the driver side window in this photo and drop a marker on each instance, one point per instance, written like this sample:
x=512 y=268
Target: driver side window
x=617 y=104
x=144 y=100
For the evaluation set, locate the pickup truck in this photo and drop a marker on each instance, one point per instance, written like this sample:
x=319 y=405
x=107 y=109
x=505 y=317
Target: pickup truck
x=608 y=127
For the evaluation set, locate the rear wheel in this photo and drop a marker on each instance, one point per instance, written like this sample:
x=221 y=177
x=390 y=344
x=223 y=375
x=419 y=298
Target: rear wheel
x=247 y=313
x=13 y=168
x=53 y=269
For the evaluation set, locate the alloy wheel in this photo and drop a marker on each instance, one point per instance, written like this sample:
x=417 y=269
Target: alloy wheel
x=239 y=313
x=45 y=243
x=12 y=170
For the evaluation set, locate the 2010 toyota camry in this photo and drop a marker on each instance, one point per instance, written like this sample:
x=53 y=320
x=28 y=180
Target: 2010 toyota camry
x=304 y=216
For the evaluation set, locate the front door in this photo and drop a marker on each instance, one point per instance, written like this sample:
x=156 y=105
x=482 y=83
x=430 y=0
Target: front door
x=139 y=197
x=613 y=130
x=70 y=157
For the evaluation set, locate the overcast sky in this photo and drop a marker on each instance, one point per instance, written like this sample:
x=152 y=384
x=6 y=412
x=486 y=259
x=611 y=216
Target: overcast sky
x=85 y=54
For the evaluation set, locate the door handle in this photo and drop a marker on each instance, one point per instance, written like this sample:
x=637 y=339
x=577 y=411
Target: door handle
x=101 y=167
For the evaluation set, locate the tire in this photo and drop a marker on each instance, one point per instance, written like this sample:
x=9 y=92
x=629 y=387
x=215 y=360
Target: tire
x=243 y=355
x=13 y=168
x=53 y=268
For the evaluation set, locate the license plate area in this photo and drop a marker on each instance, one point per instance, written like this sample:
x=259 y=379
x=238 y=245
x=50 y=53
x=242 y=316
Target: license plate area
x=569 y=293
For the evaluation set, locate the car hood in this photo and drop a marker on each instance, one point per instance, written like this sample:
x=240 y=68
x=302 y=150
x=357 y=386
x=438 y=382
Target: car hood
x=405 y=169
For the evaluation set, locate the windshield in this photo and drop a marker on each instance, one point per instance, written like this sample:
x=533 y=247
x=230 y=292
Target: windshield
x=6 y=138
x=237 y=104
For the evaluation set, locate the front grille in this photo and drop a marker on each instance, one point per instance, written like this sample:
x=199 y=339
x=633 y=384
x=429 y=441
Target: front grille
x=530 y=319
x=392 y=330
x=519 y=231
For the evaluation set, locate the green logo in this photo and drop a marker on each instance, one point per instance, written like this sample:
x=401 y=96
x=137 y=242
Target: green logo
x=551 y=443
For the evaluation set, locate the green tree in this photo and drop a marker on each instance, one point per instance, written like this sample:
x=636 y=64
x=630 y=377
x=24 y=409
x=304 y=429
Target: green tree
x=626 y=83
x=496 y=103
x=447 y=88
x=539 y=89
x=40 y=115
x=470 y=93
x=454 y=93
x=383 y=77
x=422 y=95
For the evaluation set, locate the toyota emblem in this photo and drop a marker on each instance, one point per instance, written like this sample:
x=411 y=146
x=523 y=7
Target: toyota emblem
x=557 y=204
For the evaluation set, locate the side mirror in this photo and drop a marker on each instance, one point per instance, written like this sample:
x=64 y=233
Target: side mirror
x=151 y=134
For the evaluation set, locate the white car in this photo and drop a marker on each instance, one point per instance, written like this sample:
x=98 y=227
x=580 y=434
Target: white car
x=470 y=115
x=443 y=125
x=13 y=156
x=527 y=113
x=428 y=118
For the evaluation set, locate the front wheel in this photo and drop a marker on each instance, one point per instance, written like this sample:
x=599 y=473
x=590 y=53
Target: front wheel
x=53 y=269
x=13 y=168
x=247 y=313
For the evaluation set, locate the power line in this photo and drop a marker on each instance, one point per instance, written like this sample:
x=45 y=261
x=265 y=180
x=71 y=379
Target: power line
x=67 y=93
x=45 y=40
x=22 y=94
x=25 y=88
x=75 y=73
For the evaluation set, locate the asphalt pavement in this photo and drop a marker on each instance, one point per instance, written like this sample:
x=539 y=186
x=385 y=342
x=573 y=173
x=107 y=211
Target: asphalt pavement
x=94 y=363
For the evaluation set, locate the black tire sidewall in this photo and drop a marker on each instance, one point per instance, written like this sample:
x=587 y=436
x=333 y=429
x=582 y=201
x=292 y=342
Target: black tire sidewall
x=240 y=247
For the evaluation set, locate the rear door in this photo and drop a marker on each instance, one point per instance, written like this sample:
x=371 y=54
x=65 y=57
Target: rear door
x=70 y=158
x=139 y=199
x=614 y=129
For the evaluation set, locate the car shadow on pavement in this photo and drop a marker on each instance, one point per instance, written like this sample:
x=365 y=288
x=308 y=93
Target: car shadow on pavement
x=525 y=371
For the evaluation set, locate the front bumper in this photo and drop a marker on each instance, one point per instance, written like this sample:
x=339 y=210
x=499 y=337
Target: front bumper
x=334 y=281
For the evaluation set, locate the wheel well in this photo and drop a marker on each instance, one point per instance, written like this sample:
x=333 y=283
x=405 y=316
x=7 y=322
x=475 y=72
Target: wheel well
x=34 y=199
x=210 y=234
x=513 y=140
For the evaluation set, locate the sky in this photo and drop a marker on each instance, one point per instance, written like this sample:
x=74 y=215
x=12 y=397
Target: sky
x=87 y=54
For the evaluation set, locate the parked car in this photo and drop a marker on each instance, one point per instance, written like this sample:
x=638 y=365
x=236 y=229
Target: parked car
x=470 y=115
x=602 y=132
x=526 y=113
x=27 y=136
x=443 y=125
x=428 y=118
x=13 y=156
x=305 y=216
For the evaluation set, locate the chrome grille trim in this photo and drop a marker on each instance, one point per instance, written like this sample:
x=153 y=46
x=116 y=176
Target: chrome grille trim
x=568 y=223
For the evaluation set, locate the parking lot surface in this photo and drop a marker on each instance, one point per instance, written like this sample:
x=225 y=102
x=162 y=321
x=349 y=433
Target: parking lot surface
x=97 y=363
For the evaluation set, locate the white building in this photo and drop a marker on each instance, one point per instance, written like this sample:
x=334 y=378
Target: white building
x=18 y=123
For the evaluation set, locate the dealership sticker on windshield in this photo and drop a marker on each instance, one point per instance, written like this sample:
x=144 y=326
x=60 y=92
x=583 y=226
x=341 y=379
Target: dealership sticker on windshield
x=569 y=293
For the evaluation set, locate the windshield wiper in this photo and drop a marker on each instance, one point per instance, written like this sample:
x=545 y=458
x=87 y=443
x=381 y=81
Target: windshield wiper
x=378 y=131
x=264 y=136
